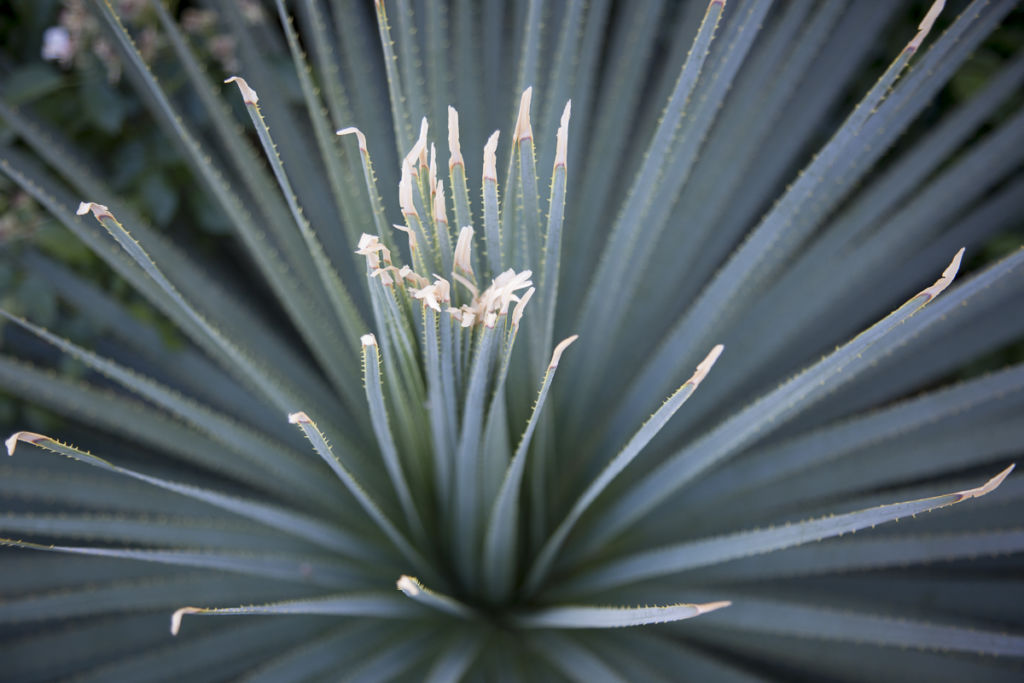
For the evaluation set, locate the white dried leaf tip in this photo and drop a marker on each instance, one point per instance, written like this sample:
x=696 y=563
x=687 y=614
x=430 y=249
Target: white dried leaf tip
x=562 y=137
x=417 y=156
x=454 y=147
x=711 y=606
x=491 y=158
x=27 y=437
x=351 y=130
x=705 y=365
x=368 y=340
x=299 y=418
x=98 y=210
x=986 y=488
x=947 y=277
x=463 y=246
x=520 y=307
x=556 y=355
x=178 y=614
x=523 y=128
x=408 y=585
x=926 y=24
x=249 y=95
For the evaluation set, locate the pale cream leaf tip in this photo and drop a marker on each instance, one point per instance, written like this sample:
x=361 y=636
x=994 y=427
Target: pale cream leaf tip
x=178 y=614
x=463 y=247
x=926 y=24
x=491 y=157
x=520 y=307
x=27 y=437
x=417 y=156
x=299 y=418
x=705 y=365
x=408 y=585
x=523 y=128
x=562 y=137
x=948 y=275
x=368 y=340
x=360 y=138
x=454 y=146
x=988 y=487
x=413 y=244
x=432 y=166
x=711 y=606
x=440 y=215
x=556 y=355
x=98 y=210
x=249 y=95
x=405 y=191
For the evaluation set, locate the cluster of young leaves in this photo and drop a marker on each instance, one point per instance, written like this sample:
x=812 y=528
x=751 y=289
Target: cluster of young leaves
x=430 y=446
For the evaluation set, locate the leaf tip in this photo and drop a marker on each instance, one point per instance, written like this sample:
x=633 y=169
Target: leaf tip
x=491 y=158
x=98 y=210
x=368 y=340
x=556 y=355
x=926 y=25
x=454 y=146
x=520 y=307
x=178 y=614
x=463 y=247
x=249 y=95
x=409 y=585
x=948 y=275
x=712 y=606
x=418 y=154
x=988 y=487
x=352 y=130
x=405 y=191
x=299 y=418
x=704 y=367
x=562 y=137
x=524 y=130
x=27 y=437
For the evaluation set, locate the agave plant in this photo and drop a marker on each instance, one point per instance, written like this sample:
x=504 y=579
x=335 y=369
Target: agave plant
x=369 y=402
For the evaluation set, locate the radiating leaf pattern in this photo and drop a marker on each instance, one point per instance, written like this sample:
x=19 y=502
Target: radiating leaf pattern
x=586 y=334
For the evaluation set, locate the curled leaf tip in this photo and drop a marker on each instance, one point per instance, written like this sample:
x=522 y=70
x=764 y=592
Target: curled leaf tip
x=178 y=614
x=368 y=340
x=299 y=418
x=520 y=307
x=417 y=156
x=27 y=437
x=988 y=487
x=407 y=230
x=463 y=246
x=556 y=355
x=409 y=585
x=249 y=95
x=352 y=130
x=947 y=277
x=705 y=365
x=491 y=158
x=523 y=128
x=98 y=210
x=926 y=24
